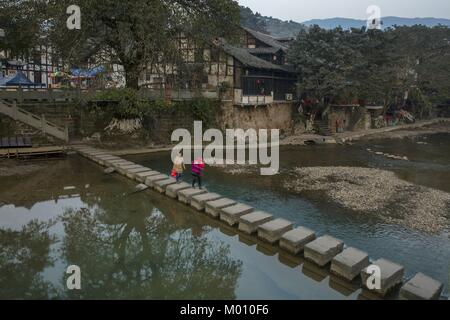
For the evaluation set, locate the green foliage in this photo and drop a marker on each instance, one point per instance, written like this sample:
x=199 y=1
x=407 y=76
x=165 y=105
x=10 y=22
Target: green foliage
x=206 y=110
x=252 y=20
x=135 y=33
x=375 y=66
x=22 y=22
x=127 y=104
x=273 y=26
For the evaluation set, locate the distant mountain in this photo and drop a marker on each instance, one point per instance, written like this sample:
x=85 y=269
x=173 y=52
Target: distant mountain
x=387 y=22
x=275 y=27
x=280 y=28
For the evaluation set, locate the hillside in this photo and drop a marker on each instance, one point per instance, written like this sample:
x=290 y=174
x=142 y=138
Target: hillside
x=387 y=22
x=280 y=28
x=270 y=25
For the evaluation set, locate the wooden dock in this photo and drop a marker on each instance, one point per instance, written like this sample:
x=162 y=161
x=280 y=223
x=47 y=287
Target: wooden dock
x=38 y=152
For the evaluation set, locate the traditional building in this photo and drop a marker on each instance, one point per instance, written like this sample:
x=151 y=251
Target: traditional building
x=38 y=66
x=254 y=72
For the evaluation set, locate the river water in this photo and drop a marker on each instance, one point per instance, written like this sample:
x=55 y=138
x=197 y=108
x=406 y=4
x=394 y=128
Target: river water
x=145 y=246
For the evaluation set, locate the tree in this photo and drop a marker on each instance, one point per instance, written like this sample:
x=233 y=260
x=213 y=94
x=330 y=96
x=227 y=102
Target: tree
x=25 y=254
x=375 y=66
x=144 y=255
x=135 y=33
x=252 y=20
x=22 y=24
x=324 y=60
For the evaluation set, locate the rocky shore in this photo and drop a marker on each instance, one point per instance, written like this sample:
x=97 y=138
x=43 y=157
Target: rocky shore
x=378 y=193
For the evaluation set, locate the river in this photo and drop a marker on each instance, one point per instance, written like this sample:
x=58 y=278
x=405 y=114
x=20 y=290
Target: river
x=145 y=246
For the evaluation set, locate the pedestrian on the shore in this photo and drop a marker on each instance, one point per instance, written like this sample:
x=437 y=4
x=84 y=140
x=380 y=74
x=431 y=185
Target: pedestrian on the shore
x=198 y=165
x=179 y=167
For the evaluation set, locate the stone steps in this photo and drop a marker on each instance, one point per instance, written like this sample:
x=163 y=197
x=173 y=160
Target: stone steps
x=326 y=255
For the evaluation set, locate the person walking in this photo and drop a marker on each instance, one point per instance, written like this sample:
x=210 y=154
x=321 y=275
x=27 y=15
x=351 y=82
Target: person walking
x=198 y=166
x=179 y=167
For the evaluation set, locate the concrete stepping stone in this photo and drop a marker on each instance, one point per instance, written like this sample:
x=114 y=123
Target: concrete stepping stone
x=123 y=170
x=213 y=207
x=150 y=181
x=421 y=287
x=162 y=185
x=142 y=176
x=295 y=240
x=105 y=161
x=250 y=222
x=108 y=157
x=391 y=276
x=121 y=163
x=272 y=231
x=129 y=166
x=185 y=196
x=172 y=190
x=232 y=214
x=199 y=202
x=132 y=172
x=94 y=155
x=97 y=153
x=323 y=250
x=350 y=263
x=109 y=170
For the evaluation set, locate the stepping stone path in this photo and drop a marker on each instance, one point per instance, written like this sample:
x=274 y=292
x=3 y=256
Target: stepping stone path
x=199 y=202
x=142 y=176
x=323 y=250
x=213 y=207
x=161 y=186
x=150 y=181
x=421 y=287
x=272 y=231
x=232 y=214
x=124 y=169
x=185 y=196
x=250 y=222
x=132 y=172
x=172 y=190
x=346 y=264
x=391 y=276
x=350 y=263
x=295 y=240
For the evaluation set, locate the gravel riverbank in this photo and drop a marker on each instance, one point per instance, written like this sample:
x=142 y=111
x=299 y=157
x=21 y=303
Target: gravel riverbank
x=379 y=193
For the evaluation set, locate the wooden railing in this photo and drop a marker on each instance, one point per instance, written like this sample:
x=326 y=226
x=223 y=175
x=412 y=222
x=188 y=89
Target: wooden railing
x=60 y=95
x=19 y=114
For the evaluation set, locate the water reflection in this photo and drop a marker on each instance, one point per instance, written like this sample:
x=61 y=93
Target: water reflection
x=24 y=255
x=144 y=257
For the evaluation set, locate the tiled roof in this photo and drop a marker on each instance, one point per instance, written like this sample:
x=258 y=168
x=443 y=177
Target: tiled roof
x=245 y=57
x=267 y=39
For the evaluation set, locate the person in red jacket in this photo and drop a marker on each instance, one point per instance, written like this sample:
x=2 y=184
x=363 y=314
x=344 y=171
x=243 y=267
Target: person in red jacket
x=198 y=166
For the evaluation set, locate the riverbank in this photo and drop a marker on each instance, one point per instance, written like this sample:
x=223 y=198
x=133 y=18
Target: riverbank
x=423 y=127
x=10 y=167
x=376 y=193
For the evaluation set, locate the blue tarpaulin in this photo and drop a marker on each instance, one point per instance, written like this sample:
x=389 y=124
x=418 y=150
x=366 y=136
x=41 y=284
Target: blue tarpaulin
x=19 y=79
x=87 y=73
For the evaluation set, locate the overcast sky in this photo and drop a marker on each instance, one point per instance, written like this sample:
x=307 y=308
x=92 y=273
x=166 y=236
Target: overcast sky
x=302 y=10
